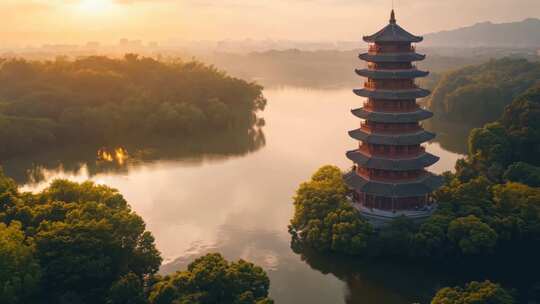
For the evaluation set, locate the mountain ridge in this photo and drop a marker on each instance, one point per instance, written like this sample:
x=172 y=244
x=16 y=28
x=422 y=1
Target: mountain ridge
x=525 y=33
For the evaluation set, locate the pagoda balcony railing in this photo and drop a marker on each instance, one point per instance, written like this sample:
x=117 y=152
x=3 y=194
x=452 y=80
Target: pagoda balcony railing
x=387 y=176
x=379 y=67
x=375 y=49
x=391 y=130
x=373 y=86
x=380 y=210
x=366 y=150
x=392 y=109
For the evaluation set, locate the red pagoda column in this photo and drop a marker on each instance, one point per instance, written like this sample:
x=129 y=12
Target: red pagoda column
x=389 y=178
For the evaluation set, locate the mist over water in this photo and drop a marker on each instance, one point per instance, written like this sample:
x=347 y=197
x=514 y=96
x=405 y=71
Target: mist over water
x=233 y=194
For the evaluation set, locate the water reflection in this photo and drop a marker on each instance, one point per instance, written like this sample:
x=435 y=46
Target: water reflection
x=119 y=158
x=450 y=135
x=372 y=281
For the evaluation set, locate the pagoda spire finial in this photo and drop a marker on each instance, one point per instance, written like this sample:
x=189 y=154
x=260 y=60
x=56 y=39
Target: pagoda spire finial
x=393 y=17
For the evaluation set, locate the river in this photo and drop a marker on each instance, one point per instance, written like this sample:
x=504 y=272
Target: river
x=235 y=197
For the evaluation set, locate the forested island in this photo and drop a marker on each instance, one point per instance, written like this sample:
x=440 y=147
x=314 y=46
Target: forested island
x=81 y=243
x=489 y=209
x=99 y=99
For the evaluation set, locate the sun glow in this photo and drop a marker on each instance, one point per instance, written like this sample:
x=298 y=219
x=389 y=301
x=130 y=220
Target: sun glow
x=95 y=6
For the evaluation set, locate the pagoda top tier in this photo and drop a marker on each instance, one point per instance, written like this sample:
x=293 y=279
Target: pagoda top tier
x=392 y=33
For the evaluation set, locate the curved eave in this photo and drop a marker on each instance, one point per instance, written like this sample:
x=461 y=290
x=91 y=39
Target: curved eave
x=392 y=57
x=392 y=94
x=391 y=74
x=393 y=33
x=373 y=162
x=403 y=139
x=419 y=187
x=392 y=117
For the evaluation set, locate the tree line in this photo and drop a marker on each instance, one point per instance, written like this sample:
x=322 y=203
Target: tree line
x=99 y=99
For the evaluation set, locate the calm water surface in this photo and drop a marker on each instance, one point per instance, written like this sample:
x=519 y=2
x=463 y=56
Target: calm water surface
x=234 y=196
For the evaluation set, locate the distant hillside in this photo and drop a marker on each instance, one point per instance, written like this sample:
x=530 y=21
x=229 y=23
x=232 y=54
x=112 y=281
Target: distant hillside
x=524 y=34
x=476 y=95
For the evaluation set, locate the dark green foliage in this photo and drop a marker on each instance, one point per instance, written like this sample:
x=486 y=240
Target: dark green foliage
x=86 y=239
x=474 y=293
x=324 y=219
x=476 y=95
x=522 y=121
x=509 y=148
x=212 y=279
x=20 y=273
x=102 y=99
x=471 y=235
x=523 y=173
x=128 y=289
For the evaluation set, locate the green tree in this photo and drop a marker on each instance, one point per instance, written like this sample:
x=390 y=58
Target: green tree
x=212 y=279
x=523 y=173
x=473 y=293
x=471 y=235
x=86 y=237
x=323 y=217
x=128 y=289
x=20 y=273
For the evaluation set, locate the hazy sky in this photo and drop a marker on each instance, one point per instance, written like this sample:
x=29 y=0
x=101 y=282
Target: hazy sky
x=77 y=21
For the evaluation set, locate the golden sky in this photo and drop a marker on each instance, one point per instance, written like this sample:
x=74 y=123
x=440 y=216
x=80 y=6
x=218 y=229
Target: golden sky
x=79 y=21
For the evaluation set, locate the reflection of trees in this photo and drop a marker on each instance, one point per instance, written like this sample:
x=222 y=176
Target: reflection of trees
x=371 y=281
x=400 y=280
x=452 y=136
x=97 y=159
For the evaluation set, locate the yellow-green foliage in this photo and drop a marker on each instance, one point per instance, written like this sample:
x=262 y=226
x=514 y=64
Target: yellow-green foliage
x=323 y=218
x=474 y=293
x=211 y=279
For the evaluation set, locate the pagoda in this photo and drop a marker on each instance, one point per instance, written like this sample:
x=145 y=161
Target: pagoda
x=389 y=178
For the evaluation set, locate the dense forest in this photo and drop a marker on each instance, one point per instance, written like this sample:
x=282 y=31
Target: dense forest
x=478 y=94
x=488 y=208
x=474 y=292
x=81 y=243
x=99 y=99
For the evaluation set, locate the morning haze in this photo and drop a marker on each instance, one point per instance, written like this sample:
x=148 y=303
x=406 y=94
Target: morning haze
x=79 y=21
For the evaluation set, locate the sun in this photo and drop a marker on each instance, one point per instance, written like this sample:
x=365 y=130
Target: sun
x=95 y=6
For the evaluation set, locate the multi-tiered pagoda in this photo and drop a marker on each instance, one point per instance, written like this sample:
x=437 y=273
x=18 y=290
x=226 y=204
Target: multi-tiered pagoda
x=389 y=178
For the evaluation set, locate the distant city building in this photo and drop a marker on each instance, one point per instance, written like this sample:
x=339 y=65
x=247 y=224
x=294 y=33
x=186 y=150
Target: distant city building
x=389 y=178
